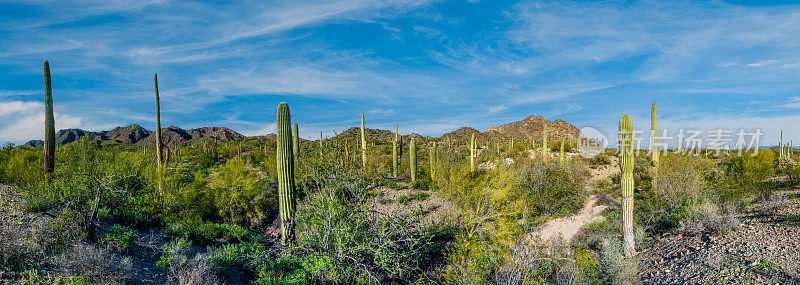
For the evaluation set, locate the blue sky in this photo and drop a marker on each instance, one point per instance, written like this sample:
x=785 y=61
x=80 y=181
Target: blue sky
x=431 y=66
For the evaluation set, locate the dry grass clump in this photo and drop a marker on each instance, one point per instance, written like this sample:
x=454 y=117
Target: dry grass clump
x=95 y=264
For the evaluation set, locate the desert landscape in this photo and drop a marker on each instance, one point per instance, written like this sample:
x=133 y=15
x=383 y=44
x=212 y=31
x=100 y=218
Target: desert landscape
x=399 y=142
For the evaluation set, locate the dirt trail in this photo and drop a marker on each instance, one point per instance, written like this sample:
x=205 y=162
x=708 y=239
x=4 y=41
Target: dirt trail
x=567 y=227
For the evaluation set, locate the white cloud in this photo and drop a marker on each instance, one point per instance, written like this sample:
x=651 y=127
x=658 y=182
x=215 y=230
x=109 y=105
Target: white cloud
x=763 y=63
x=21 y=121
x=496 y=108
x=794 y=103
x=261 y=129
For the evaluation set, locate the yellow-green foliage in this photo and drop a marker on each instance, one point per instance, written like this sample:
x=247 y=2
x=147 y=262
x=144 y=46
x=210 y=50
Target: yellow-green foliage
x=496 y=208
x=21 y=166
x=682 y=177
x=239 y=196
x=747 y=171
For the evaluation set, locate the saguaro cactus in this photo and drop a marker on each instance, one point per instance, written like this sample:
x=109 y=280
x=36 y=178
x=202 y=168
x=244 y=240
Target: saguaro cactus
x=394 y=151
x=653 y=148
x=626 y=182
x=399 y=143
x=431 y=158
x=561 y=153
x=285 y=163
x=296 y=144
x=472 y=153
x=49 y=123
x=363 y=145
x=159 y=142
x=412 y=153
x=544 y=143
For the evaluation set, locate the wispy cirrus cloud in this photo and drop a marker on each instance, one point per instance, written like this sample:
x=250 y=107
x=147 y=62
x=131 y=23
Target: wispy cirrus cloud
x=480 y=63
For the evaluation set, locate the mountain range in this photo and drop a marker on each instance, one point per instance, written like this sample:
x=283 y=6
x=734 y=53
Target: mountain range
x=135 y=134
x=526 y=129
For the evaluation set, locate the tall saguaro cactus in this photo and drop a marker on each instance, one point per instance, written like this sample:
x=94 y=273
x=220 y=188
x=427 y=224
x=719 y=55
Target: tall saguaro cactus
x=363 y=144
x=561 y=153
x=285 y=163
x=159 y=142
x=296 y=144
x=412 y=152
x=626 y=182
x=653 y=148
x=432 y=158
x=49 y=123
x=544 y=142
x=472 y=153
x=394 y=151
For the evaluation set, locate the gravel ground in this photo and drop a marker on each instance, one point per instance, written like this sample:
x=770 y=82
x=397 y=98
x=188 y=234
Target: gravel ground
x=764 y=250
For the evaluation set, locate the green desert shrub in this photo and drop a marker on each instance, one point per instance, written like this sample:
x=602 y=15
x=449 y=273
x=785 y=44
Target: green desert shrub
x=21 y=166
x=552 y=188
x=687 y=197
x=745 y=175
x=352 y=242
x=118 y=239
x=241 y=196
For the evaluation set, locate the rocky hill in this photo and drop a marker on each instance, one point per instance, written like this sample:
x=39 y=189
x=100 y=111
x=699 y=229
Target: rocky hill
x=532 y=127
x=462 y=135
x=175 y=135
x=129 y=134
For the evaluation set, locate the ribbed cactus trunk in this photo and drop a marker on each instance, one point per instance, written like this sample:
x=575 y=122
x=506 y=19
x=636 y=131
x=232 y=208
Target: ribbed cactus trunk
x=780 y=146
x=363 y=145
x=412 y=153
x=394 y=150
x=561 y=153
x=544 y=143
x=432 y=158
x=394 y=158
x=49 y=123
x=626 y=182
x=653 y=148
x=472 y=153
x=512 y=143
x=159 y=142
x=296 y=144
x=285 y=163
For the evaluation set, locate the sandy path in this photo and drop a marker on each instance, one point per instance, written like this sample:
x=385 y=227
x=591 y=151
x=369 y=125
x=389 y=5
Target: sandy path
x=567 y=227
